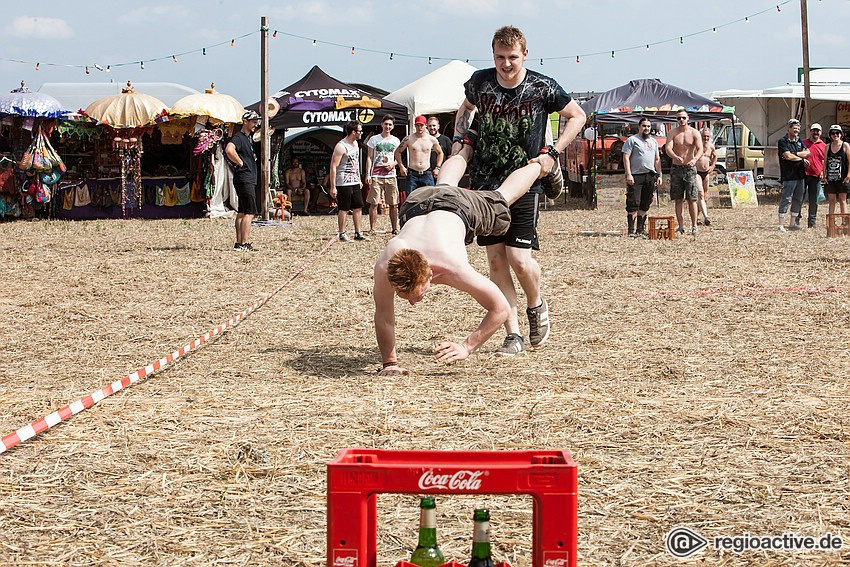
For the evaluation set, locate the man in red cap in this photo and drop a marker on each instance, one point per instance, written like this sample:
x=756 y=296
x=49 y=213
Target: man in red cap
x=419 y=146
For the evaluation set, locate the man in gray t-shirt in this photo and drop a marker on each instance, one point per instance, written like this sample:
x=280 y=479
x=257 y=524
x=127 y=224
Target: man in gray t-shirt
x=642 y=163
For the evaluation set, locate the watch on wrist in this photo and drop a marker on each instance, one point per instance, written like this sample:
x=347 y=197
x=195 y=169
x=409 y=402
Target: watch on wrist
x=552 y=151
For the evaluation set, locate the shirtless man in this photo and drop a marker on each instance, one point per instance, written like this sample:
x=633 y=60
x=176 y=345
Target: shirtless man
x=296 y=183
x=684 y=146
x=431 y=249
x=705 y=167
x=419 y=146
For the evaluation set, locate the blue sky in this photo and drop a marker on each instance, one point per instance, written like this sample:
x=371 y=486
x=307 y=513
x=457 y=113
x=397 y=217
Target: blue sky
x=762 y=53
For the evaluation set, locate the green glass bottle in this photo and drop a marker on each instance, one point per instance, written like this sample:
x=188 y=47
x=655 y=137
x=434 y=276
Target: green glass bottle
x=481 y=539
x=427 y=554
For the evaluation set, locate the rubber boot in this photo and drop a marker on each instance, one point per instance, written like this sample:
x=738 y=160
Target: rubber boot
x=631 y=220
x=641 y=224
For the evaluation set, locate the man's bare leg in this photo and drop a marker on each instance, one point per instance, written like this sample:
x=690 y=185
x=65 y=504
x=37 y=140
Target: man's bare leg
x=340 y=220
x=373 y=217
x=357 y=214
x=679 y=213
x=692 y=210
x=520 y=181
x=453 y=168
x=394 y=217
x=500 y=274
x=527 y=272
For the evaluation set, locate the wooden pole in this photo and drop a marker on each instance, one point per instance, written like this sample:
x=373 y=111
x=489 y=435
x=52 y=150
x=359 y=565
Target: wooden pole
x=264 y=109
x=807 y=88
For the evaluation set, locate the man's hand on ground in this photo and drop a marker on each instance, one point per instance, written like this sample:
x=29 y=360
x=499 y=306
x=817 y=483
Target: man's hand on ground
x=448 y=352
x=394 y=370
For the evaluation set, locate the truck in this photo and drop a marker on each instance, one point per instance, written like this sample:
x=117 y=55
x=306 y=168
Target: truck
x=750 y=151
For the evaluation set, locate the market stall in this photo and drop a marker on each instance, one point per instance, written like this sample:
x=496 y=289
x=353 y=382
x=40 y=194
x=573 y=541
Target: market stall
x=30 y=168
x=123 y=165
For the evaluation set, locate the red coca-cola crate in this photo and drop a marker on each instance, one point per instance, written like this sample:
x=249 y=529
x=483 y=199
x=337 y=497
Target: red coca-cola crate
x=357 y=476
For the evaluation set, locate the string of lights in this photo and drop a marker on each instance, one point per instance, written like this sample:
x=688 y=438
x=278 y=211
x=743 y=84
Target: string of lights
x=777 y=8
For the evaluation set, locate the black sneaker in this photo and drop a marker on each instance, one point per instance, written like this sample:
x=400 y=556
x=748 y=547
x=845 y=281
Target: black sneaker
x=395 y=231
x=358 y=236
x=247 y=246
x=538 y=324
x=237 y=246
x=512 y=346
x=553 y=184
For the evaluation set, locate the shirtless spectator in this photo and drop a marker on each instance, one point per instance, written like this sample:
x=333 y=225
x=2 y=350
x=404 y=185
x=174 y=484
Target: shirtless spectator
x=296 y=183
x=437 y=223
x=684 y=147
x=419 y=146
x=705 y=167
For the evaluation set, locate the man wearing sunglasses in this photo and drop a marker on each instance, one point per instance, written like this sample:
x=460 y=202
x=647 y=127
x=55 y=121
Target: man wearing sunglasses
x=684 y=146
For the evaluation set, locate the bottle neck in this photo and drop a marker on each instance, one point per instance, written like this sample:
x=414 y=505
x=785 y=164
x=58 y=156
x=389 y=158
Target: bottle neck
x=427 y=527
x=481 y=540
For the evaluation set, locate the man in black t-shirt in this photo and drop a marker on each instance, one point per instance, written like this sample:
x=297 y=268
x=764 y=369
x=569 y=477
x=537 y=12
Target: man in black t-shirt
x=513 y=106
x=792 y=169
x=240 y=152
x=443 y=140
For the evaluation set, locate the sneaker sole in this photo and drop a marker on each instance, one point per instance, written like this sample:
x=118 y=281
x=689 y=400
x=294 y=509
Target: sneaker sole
x=520 y=353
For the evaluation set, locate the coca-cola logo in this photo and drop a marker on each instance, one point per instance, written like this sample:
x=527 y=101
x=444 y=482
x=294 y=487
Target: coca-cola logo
x=555 y=563
x=345 y=558
x=461 y=480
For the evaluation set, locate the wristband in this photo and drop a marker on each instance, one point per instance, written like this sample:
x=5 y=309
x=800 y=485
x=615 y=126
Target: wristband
x=457 y=139
x=552 y=151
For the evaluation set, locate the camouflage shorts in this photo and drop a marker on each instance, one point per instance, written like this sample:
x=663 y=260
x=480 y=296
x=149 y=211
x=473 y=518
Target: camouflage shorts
x=683 y=182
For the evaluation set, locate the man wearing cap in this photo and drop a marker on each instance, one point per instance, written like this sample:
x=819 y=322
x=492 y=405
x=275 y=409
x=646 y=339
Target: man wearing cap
x=419 y=146
x=240 y=152
x=793 y=159
x=814 y=171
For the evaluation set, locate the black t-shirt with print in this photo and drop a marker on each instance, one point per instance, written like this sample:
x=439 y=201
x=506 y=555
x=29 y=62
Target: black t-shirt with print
x=511 y=123
x=245 y=148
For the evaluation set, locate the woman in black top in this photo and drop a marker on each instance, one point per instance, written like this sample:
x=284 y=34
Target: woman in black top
x=837 y=169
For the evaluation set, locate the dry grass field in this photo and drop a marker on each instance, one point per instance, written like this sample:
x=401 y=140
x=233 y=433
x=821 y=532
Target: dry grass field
x=696 y=382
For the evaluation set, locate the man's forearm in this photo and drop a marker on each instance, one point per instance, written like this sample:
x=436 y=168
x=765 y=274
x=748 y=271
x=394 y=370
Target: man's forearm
x=489 y=325
x=385 y=333
x=463 y=120
x=571 y=130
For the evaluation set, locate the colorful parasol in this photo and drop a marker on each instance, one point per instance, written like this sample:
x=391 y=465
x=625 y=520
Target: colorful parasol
x=127 y=110
x=215 y=105
x=23 y=102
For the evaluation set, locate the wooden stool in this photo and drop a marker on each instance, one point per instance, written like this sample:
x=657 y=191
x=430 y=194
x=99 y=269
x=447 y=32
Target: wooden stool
x=838 y=224
x=661 y=228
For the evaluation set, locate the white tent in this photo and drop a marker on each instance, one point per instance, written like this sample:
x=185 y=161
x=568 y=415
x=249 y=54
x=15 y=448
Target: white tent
x=436 y=92
x=766 y=112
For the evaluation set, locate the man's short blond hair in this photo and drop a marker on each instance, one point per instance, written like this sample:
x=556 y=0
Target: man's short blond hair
x=407 y=270
x=509 y=36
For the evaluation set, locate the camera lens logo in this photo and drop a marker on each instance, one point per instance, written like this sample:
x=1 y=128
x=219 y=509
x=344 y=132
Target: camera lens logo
x=683 y=542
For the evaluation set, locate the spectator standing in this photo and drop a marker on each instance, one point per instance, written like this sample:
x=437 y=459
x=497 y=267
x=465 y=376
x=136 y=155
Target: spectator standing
x=443 y=140
x=240 y=152
x=792 y=171
x=684 y=146
x=381 y=175
x=419 y=145
x=837 y=169
x=344 y=179
x=642 y=163
x=814 y=171
x=705 y=167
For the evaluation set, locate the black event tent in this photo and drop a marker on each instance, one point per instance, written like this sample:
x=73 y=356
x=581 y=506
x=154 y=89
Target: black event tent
x=641 y=97
x=317 y=99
